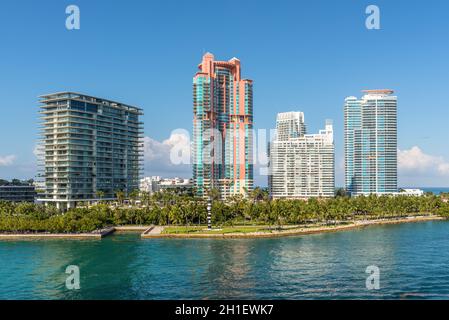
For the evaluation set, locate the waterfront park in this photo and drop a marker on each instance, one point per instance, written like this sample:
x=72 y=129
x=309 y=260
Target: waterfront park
x=178 y=214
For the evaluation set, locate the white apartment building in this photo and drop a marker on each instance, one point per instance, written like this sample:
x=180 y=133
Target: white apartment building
x=290 y=125
x=301 y=165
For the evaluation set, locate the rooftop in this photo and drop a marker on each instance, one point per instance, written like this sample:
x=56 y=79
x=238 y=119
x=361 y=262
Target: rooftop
x=81 y=96
x=378 y=91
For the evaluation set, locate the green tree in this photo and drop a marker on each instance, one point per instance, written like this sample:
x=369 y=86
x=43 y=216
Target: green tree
x=120 y=195
x=100 y=195
x=134 y=195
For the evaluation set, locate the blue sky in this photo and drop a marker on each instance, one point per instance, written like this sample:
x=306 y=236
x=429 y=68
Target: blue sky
x=302 y=55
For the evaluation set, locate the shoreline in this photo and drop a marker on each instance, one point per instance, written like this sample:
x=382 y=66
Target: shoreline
x=294 y=232
x=96 y=235
x=156 y=232
x=81 y=236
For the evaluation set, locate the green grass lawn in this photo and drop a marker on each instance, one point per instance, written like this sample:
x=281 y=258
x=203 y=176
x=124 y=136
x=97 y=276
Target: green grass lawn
x=238 y=229
x=203 y=229
x=247 y=229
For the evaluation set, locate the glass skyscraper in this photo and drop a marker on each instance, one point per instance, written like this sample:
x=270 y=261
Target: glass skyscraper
x=371 y=143
x=222 y=128
x=91 y=148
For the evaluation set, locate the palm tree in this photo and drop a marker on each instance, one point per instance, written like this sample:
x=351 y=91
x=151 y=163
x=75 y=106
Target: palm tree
x=146 y=198
x=134 y=195
x=120 y=196
x=100 y=195
x=214 y=194
x=257 y=194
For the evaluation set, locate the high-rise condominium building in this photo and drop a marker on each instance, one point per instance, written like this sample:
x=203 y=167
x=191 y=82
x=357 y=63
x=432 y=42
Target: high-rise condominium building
x=301 y=165
x=91 y=148
x=371 y=143
x=290 y=125
x=222 y=128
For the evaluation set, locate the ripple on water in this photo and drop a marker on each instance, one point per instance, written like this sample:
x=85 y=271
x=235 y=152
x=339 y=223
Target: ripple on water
x=412 y=258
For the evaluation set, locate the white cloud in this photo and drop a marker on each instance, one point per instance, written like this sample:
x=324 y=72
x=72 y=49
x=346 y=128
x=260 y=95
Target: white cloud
x=443 y=168
x=415 y=159
x=170 y=157
x=7 y=160
x=416 y=168
x=38 y=150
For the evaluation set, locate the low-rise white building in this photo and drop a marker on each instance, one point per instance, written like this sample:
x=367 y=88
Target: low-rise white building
x=411 y=192
x=156 y=183
x=150 y=184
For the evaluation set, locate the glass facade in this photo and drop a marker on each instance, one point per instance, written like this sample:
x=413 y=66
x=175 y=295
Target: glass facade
x=17 y=193
x=90 y=146
x=371 y=143
x=222 y=128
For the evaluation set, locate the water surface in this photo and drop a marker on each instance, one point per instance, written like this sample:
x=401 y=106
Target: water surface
x=413 y=259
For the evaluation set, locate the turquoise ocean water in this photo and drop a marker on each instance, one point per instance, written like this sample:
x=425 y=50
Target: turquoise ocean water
x=412 y=259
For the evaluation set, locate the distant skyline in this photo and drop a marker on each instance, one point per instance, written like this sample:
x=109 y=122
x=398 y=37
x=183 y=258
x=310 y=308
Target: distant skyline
x=303 y=56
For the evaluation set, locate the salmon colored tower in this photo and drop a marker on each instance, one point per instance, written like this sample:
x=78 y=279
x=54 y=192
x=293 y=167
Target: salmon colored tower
x=222 y=128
